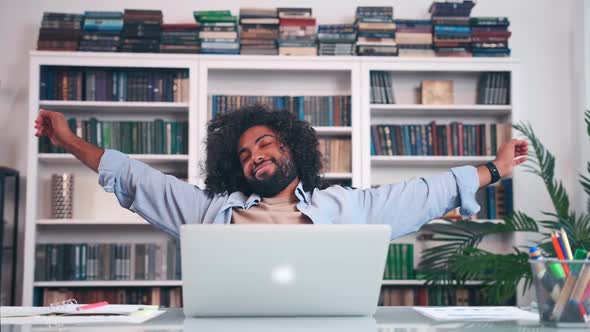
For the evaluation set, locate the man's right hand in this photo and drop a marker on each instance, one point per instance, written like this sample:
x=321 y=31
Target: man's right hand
x=54 y=126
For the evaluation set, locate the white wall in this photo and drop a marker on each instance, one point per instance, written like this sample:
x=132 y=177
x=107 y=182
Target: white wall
x=543 y=39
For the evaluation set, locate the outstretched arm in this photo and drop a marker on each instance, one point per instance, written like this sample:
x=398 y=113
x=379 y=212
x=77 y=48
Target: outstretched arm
x=54 y=126
x=406 y=206
x=162 y=200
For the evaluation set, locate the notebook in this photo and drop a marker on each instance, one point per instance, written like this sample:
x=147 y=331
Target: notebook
x=69 y=314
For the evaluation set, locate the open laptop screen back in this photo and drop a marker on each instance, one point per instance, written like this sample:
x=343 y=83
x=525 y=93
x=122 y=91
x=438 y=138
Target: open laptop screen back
x=282 y=270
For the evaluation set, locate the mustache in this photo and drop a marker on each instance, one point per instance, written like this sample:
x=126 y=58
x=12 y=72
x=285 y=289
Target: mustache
x=257 y=166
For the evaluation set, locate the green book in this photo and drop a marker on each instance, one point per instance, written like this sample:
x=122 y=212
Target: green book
x=199 y=13
x=215 y=19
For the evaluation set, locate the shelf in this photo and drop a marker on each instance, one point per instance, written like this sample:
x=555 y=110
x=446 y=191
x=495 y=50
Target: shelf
x=337 y=176
x=57 y=158
x=113 y=106
x=440 y=110
x=446 y=161
x=109 y=283
x=93 y=222
x=323 y=130
x=410 y=282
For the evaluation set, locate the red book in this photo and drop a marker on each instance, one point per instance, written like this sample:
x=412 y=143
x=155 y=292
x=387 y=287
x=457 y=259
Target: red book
x=297 y=21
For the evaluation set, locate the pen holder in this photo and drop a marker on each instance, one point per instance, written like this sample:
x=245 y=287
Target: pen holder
x=563 y=290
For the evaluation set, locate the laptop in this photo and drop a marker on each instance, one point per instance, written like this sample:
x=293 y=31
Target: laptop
x=282 y=270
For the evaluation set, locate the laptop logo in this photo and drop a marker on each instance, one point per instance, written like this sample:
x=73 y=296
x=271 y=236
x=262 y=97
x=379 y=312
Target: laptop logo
x=283 y=274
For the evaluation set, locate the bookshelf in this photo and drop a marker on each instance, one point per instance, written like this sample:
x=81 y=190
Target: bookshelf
x=97 y=217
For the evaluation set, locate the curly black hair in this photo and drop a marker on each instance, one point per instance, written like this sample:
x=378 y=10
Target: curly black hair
x=223 y=169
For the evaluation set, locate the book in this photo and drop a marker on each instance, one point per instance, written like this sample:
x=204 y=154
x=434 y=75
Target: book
x=437 y=92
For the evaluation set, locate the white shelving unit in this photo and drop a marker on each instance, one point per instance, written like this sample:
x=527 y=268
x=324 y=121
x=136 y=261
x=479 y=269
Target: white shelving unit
x=101 y=216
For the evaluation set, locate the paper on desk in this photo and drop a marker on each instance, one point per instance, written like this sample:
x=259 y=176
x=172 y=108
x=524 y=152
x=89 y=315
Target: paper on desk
x=111 y=309
x=110 y=316
x=477 y=313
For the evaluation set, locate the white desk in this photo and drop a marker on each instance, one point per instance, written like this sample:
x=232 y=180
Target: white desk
x=387 y=319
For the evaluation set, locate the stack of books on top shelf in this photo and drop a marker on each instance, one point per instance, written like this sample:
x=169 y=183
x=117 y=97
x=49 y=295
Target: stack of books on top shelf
x=489 y=36
x=180 y=38
x=317 y=110
x=259 y=31
x=141 y=30
x=336 y=154
x=297 y=32
x=170 y=297
x=400 y=262
x=134 y=137
x=102 y=31
x=376 y=31
x=452 y=139
x=493 y=88
x=381 y=88
x=452 y=30
x=219 y=32
x=414 y=38
x=336 y=39
x=60 y=32
x=107 y=261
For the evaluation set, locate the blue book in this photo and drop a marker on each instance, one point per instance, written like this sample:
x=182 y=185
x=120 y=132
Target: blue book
x=100 y=24
x=491 y=191
x=331 y=111
x=455 y=29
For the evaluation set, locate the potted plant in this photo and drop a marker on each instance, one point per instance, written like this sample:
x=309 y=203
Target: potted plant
x=459 y=258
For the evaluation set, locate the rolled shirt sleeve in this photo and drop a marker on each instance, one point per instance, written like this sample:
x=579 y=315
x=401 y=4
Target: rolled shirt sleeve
x=162 y=200
x=408 y=205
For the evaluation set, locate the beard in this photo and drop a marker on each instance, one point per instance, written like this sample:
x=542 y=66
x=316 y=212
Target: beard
x=285 y=174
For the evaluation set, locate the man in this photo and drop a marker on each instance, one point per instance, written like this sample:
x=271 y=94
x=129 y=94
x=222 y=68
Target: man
x=264 y=167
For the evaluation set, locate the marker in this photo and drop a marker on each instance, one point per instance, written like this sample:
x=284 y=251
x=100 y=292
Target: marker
x=92 y=306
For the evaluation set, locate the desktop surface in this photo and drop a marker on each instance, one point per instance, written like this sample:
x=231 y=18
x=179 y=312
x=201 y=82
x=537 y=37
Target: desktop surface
x=387 y=319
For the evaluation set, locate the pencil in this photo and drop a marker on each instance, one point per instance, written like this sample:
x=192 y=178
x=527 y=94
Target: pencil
x=566 y=244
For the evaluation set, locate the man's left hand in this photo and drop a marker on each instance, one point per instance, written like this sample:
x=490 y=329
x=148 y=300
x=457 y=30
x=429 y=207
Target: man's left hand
x=510 y=154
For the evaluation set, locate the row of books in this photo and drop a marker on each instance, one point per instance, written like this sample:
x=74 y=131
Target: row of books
x=496 y=201
x=108 y=261
x=400 y=262
x=317 y=110
x=336 y=153
x=285 y=31
x=494 y=88
x=381 y=88
x=112 y=84
x=170 y=297
x=430 y=296
x=452 y=139
x=133 y=137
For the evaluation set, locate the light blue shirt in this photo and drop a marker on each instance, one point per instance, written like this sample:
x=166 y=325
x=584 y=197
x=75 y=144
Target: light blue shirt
x=166 y=202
